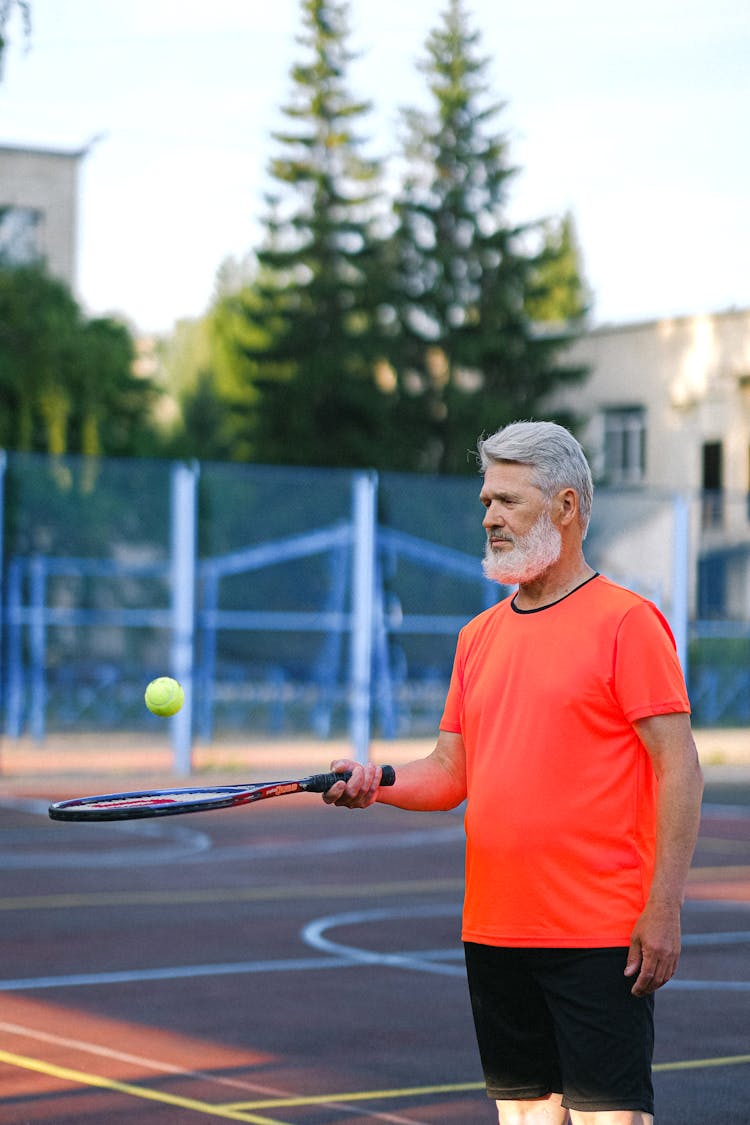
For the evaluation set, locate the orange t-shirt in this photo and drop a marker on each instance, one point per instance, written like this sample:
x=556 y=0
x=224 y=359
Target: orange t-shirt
x=561 y=794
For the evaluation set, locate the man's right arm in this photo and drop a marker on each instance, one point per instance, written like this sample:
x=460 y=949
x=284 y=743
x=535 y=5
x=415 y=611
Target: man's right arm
x=424 y=785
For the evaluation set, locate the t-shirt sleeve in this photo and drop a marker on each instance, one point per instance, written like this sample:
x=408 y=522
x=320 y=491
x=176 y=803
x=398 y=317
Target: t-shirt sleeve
x=451 y=718
x=648 y=677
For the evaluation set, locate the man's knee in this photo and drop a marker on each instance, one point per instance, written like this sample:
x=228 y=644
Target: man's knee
x=539 y=1111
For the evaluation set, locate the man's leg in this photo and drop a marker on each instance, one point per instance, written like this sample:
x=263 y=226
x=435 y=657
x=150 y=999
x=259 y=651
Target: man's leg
x=538 y=1111
x=604 y=1035
x=611 y=1117
x=516 y=1036
x=550 y=1111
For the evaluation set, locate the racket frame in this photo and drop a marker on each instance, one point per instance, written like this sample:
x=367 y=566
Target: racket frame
x=148 y=803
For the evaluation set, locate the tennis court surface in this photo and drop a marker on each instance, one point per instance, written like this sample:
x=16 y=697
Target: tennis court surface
x=291 y=964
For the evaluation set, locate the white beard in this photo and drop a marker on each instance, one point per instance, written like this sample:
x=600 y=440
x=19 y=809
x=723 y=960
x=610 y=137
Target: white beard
x=530 y=555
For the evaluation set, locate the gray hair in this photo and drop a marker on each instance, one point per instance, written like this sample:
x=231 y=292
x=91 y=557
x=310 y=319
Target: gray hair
x=554 y=454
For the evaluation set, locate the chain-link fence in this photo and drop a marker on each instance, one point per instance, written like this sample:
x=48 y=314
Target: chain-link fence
x=307 y=601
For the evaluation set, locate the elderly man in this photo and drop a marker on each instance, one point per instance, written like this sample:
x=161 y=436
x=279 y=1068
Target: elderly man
x=566 y=729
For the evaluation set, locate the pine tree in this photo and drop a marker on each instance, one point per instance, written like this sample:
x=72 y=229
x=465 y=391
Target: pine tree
x=558 y=293
x=314 y=312
x=470 y=356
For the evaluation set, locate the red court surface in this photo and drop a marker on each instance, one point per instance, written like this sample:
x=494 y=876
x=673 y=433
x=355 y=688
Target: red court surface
x=291 y=964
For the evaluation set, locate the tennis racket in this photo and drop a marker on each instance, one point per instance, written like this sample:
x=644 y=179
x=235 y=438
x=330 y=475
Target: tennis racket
x=171 y=802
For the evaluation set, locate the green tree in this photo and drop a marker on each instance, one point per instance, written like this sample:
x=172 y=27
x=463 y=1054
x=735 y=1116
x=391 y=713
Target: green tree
x=39 y=321
x=468 y=282
x=209 y=374
x=67 y=383
x=314 y=308
x=558 y=293
x=113 y=406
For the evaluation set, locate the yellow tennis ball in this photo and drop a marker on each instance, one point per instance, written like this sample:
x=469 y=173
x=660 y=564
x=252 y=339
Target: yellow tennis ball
x=164 y=696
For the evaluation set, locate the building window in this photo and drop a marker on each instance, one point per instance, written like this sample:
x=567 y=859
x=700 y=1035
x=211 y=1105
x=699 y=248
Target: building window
x=625 y=445
x=20 y=232
x=713 y=484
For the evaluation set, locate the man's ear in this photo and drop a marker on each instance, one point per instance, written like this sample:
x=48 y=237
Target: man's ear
x=567 y=505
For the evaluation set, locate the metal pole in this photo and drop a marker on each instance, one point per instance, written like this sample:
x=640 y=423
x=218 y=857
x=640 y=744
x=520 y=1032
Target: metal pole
x=183 y=546
x=38 y=647
x=364 y=500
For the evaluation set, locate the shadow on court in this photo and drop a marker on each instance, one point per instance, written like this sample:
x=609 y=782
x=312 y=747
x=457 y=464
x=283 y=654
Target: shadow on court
x=290 y=964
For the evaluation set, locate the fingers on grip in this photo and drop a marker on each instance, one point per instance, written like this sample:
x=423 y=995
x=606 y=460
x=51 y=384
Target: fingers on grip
x=322 y=782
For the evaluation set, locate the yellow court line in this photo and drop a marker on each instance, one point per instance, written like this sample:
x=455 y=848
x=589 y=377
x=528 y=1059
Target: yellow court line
x=244 y=1111
x=697 y=1064
x=81 y=1078
x=358 y=1096
x=229 y=894
x=454 y=1088
x=187 y=897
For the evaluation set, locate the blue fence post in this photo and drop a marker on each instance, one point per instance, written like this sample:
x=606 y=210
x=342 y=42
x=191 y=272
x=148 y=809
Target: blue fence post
x=183 y=569
x=364 y=525
x=38 y=646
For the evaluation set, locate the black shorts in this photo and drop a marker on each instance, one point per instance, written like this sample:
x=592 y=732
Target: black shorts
x=553 y=1021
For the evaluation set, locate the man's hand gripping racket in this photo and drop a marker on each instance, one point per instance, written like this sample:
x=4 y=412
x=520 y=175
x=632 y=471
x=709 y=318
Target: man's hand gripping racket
x=361 y=784
x=171 y=802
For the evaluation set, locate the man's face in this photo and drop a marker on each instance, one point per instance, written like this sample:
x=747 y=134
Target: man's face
x=522 y=540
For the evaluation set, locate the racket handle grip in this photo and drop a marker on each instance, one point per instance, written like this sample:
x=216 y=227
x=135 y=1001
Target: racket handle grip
x=387 y=776
x=322 y=782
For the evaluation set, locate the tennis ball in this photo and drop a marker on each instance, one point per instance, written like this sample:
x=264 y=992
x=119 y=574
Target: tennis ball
x=164 y=696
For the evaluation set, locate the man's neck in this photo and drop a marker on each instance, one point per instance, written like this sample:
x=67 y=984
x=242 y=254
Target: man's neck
x=554 y=584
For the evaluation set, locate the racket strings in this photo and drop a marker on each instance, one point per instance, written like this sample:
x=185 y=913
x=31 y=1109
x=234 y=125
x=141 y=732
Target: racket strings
x=149 y=800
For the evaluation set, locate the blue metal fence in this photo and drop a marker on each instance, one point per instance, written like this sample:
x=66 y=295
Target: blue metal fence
x=285 y=600
x=315 y=622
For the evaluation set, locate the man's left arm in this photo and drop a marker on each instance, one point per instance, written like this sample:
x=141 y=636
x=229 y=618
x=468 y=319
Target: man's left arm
x=655 y=942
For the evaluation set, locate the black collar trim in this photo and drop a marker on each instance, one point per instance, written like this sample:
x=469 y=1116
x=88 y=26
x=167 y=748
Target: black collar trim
x=541 y=608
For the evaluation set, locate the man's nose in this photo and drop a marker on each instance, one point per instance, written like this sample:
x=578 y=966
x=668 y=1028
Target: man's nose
x=492 y=516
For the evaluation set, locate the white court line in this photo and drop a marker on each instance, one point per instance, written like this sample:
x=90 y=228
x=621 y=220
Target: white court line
x=181 y=842
x=313 y=935
x=136 y=1060
x=338 y=955
x=173 y=972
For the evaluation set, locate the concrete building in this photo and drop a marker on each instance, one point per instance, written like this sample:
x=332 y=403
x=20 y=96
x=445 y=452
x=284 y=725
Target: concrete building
x=39 y=208
x=667 y=411
x=668 y=402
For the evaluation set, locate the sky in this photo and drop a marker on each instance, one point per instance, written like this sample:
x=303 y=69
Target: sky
x=633 y=117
